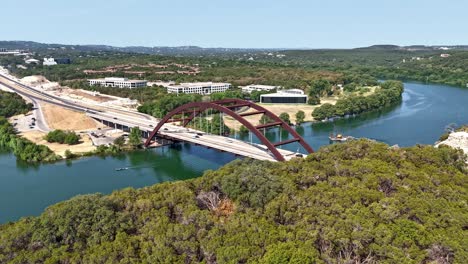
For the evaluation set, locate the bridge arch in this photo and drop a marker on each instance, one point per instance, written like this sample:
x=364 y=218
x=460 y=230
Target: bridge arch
x=225 y=106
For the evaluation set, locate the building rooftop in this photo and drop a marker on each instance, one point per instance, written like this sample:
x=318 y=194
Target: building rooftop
x=286 y=93
x=116 y=79
x=196 y=84
x=261 y=86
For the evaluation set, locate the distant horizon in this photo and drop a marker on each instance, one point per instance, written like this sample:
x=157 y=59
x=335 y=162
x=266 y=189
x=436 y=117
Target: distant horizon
x=220 y=47
x=273 y=24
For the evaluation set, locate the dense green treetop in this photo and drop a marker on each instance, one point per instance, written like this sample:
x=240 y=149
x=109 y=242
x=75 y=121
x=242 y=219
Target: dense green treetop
x=355 y=202
x=12 y=104
x=388 y=94
x=63 y=137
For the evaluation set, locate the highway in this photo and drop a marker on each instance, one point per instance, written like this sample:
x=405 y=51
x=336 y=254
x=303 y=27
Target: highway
x=235 y=146
x=146 y=123
x=32 y=93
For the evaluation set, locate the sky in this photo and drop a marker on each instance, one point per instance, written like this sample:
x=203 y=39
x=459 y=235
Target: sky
x=237 y=23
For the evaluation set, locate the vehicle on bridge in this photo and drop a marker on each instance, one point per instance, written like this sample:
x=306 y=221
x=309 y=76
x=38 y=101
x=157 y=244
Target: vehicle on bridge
x=229 y=107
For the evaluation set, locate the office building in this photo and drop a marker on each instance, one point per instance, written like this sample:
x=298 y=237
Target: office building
x=258 y=87
x=63 y=60
x=199 y=88
x=118 y=82
x=49 y=62
x=292 y=96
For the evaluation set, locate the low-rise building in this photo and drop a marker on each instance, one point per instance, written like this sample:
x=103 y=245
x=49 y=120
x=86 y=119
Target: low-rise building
x=258 y=87
x=31 y=61
x=49 y=62
x=198 y=88
x=118 y=82
x=62 y=60
x=291 y=96
x=4 y=51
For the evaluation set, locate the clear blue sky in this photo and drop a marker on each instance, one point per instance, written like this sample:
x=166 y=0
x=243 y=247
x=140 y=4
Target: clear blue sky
x=237 y=23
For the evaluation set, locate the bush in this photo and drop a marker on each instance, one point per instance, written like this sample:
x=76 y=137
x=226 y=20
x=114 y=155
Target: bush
x=120 y=141
x=285 y=117
x=63 y=137
x=69 y=154
x=444 y=136
x=300 y=116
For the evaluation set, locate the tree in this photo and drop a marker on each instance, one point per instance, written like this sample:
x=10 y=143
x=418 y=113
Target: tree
x=72 y=138
x=69 y=154
x=324 y=111
x=217 y=125
x=300 y=116
x=135 y=137
x=243 y=130
x=63 y=137
x=319 y=88
x=265 y=119
x=285 y=117
x=120 y=141
x=313 y=100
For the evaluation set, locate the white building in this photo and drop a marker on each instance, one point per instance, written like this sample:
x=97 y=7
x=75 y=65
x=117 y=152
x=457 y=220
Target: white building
x=49 y=62
x=31 y=61
x=118 y=82
x=199 y=88
x=4 y=51
x=258 y=87
x=291 y=96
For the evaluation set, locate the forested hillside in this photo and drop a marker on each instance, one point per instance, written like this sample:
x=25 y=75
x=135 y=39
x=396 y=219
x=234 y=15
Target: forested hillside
x=359 y=202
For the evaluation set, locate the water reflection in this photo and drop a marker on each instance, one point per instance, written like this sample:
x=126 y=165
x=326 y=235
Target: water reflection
x=27 y=189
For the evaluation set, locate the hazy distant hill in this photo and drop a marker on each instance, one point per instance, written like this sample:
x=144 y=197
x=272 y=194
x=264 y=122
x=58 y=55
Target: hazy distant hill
x=414 y=47
x=182 y=50
x=192 y=50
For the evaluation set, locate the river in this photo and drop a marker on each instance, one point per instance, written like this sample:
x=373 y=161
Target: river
x=27 y=190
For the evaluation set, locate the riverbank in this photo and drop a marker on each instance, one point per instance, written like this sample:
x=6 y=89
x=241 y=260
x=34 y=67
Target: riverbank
x=85 y=145
x=457 y=140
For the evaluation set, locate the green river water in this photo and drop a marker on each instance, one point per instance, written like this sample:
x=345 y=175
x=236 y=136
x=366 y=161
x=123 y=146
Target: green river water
x=27 y=190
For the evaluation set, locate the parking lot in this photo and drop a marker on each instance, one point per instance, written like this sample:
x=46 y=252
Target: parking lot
x=24 y=123
x=104 y=136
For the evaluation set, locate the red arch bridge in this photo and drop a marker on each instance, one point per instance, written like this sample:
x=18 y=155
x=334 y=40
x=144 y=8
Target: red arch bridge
x=266 y=150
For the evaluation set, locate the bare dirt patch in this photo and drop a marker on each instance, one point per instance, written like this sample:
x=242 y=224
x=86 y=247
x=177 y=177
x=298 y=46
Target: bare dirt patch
x=64 y=119
x=59 y=149
x=98 y=98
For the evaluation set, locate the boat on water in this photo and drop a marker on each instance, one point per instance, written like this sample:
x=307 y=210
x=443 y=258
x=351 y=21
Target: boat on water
x=121 y=169
x=339 y=138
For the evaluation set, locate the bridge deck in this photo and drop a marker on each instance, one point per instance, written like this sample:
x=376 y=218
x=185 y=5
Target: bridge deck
x=231 y=145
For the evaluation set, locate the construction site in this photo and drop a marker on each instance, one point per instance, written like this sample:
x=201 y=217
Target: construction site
x=46 y=117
